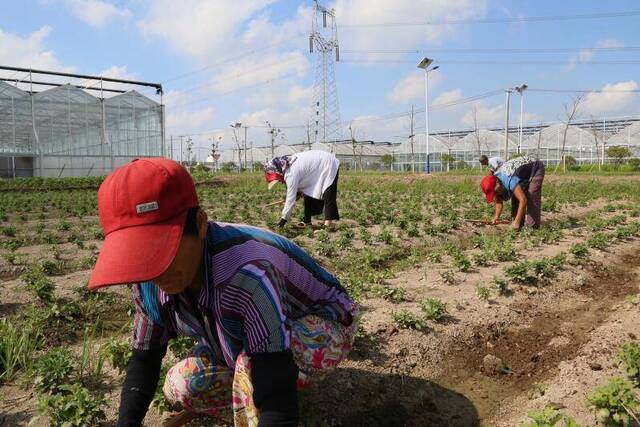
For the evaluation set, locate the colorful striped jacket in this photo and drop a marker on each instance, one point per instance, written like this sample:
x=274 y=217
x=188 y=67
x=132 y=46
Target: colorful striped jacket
x=256 y=283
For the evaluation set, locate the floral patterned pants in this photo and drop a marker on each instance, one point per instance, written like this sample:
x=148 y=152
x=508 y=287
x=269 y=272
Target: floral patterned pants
x=197 y=384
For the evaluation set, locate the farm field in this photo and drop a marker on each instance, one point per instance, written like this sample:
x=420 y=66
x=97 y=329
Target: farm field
x=462 y=324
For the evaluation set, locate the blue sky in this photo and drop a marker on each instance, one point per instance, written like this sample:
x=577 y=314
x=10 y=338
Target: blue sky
x=247 y=60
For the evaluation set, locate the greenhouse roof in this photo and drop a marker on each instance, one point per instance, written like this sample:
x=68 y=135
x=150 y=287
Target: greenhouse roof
x=551 y=137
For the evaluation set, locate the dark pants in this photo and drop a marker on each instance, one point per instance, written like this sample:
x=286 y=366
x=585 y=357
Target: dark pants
x=328 y=204
x=534 y=200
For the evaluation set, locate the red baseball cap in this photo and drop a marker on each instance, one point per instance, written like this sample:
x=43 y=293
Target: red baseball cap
x=142 y=207
x=273 y=178
x=488 y=185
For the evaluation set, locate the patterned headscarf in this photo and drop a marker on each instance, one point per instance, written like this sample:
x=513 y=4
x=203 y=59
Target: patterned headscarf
x=277 y=168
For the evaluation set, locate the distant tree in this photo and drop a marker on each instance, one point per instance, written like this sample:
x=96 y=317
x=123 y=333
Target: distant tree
x=618 y=154
x=634 y=163
x=462 y=165
x=571 y=110
x=386 y=160
x=570 y=162
x=447 y=159
x=229 y=166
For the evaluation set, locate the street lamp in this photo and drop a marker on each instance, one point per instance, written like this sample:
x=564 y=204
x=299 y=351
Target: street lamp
x=424 y=64
x=520 y=89
x=236 y=126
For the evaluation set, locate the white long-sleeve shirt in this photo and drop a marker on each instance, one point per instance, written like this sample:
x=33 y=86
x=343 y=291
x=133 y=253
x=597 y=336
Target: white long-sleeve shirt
x=311 y=173
x=495 y=163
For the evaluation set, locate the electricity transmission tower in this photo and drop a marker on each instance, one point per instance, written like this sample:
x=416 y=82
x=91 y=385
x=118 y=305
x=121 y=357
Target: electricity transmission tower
x=323 y=43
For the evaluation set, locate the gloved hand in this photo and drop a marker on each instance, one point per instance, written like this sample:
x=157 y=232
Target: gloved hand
x=282 y=222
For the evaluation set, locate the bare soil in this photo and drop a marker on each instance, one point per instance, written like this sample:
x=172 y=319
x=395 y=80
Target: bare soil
x=562 y=332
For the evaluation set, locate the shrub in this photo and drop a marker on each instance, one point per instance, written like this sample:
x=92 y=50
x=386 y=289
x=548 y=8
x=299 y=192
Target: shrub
x=613 y=402
x=433 y=309
x=53 y=369
x=72 y=406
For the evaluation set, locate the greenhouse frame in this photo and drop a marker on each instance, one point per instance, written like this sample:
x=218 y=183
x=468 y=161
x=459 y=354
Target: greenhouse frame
x=66 y=130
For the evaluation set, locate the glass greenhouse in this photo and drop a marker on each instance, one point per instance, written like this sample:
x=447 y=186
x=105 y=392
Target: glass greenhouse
x=67 y=131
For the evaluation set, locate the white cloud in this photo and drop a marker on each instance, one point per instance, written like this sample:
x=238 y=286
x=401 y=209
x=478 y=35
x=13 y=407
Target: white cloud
x=97 y=13
x=586 y=55
x=445 y=98
x=29 y=51
x=181 y=119
x=493 y=116
x=354 y=12
x=411 y=87
x=265 y=68
x=612 y=98
x=281 y=96
x=199 y=27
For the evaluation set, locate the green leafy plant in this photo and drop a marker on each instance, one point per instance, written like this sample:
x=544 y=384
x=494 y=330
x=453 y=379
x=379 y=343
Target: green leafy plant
x=448 y=277
x=598 y=241
x=385 y=236
x=405 y=319
x=433 y=309
x=629 y=355
x=159 y=400
x=501 y=286
x=549 y=417
x=50 y=267
x=365 y=236
x=520 y=272
x=579 y=250
x=39 y=283
x=615 y=403
x=482 y=259
x=118 y=353
x=73 y=406
x=181 y=345
x=394 y=294
x=53 y=369
x=483 y=292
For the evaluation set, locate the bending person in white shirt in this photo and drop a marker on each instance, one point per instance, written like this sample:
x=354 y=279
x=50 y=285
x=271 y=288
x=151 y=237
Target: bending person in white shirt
x=494 y=163
x=314 y=174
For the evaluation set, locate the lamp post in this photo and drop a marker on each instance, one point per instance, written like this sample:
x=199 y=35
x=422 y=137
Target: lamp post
x=424 y=64
x=236 y=126
x=520 y=89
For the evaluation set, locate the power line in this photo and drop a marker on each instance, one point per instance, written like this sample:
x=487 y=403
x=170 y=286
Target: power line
x=586 y=16
x=264 y=82
x=584 y=90
x=480 y=62
x=493 y=50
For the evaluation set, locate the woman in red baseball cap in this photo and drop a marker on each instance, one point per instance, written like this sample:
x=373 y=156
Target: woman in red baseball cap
x=266 y=316
x=519 y=180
